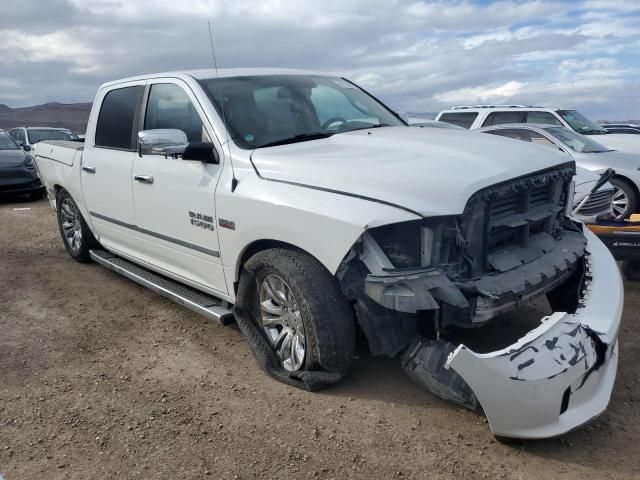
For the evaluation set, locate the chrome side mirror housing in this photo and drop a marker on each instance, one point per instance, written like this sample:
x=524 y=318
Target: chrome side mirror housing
x=167 y=142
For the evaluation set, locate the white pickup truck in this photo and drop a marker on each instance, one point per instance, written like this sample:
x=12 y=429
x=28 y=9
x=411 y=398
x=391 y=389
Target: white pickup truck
x=304 y=208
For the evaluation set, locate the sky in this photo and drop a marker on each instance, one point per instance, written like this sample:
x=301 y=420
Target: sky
x=417 y=56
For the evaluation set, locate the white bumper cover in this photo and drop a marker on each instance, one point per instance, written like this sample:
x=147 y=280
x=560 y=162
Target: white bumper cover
x=561 y=374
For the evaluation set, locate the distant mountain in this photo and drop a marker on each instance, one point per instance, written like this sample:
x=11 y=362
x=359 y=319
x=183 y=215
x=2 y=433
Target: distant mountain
x=66 y=115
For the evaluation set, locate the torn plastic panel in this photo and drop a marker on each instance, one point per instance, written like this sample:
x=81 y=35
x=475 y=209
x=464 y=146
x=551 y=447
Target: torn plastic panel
x=426 y=308
x=424 y=361
x=556 y=377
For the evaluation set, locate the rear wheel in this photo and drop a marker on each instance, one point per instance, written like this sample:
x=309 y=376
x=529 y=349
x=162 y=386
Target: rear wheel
x=75 y=233
x=625 y=198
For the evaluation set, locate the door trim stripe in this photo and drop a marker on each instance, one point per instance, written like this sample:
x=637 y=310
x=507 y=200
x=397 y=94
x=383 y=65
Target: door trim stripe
x=182 y=243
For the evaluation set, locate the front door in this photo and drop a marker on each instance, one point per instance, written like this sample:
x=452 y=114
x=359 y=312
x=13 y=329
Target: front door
x=174 y=198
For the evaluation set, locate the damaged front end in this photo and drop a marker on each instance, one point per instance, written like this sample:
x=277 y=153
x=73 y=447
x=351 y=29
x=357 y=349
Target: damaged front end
x=437 y=291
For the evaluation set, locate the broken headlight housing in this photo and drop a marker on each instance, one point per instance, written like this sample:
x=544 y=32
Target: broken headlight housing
x=419 y=243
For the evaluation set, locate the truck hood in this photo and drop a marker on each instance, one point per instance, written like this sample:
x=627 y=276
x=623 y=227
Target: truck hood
x=11 y=158
x=428 y=171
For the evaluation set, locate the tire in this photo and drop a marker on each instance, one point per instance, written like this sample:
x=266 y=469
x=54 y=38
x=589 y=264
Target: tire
x=631 y=271
x=268 y=315
x=625 y=198
x=75 y=233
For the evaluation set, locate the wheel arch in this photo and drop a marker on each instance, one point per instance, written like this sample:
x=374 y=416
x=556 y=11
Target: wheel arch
x=260 y=245
x=628 y=180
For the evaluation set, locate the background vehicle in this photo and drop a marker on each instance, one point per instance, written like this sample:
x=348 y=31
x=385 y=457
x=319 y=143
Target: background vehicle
x=309 y=206
x=423 y=122
x=588 y=154
x=32 y=135
x=18 y=173
x=623 y=128
x=477 y=116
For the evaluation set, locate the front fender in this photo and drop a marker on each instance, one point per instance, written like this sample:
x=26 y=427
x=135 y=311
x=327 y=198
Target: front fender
x=324 y=224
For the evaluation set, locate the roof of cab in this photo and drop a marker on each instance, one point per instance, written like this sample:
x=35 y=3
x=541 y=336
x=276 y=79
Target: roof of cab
x=211 y=73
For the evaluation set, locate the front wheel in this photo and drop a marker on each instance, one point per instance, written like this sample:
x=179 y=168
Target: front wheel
x=296 y=318
x=75 y=233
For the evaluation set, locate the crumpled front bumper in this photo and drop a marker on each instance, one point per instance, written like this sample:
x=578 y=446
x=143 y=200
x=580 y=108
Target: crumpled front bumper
x=561 y=374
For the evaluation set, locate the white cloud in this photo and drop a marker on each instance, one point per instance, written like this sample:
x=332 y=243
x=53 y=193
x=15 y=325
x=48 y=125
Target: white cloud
x=416 y=55
x=473 y=95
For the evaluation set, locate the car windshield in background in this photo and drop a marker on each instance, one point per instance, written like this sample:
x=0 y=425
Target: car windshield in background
x=8 y=143
x=38 y=134
x=580 y=123
x=575 y=141
x=269 y=110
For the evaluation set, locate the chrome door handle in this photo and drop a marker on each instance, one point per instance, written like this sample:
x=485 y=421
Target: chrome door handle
x=88 y=169
x=143 y=178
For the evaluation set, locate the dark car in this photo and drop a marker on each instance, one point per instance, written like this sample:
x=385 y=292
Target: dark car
x=18 y=172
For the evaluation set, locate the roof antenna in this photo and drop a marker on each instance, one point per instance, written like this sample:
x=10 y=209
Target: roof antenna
x=234 y=180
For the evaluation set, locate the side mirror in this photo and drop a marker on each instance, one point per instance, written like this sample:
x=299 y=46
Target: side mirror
x=167 y=142
x=26 y=148
x=174 y=143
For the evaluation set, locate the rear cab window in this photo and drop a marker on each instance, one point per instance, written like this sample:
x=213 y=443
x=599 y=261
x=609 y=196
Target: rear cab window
x=461 y=119
x=117 y=118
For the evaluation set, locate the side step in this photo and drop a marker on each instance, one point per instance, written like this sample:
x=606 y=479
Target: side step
x=202 y=303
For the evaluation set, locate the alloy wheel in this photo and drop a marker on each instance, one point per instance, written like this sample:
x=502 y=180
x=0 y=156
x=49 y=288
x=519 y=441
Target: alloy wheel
x=620 y=203
x=282 y=322
x=71 y=226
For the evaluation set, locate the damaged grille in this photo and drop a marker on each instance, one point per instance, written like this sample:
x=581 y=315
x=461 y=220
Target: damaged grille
x=515 y=222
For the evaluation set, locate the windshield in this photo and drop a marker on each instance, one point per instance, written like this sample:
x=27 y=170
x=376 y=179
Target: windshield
x=7 y=143
x=269 y=110
x=580 y=123
x=575 y=141
x=38 y=134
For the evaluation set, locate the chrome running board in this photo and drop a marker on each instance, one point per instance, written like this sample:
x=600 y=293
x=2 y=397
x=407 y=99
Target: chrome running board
x=202 y=303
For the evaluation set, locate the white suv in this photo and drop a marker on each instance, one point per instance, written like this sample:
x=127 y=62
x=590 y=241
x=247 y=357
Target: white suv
x=477 y=116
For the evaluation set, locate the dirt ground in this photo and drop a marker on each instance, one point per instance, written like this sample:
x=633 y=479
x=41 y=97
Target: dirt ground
x=101 y=378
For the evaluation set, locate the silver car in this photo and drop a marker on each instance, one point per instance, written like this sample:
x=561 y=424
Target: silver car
x=588 y=154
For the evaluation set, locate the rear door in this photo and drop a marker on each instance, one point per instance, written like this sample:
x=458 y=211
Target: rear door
x=106 y=167
x=174 y=198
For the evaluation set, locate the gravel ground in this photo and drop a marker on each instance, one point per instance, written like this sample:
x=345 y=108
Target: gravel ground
x=100 y=378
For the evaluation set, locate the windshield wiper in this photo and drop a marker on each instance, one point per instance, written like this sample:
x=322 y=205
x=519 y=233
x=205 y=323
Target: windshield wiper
x=301 y=137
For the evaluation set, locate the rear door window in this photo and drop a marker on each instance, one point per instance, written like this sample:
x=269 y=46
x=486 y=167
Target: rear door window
x=500 y=118
x=117 y=117
x=461 y=119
